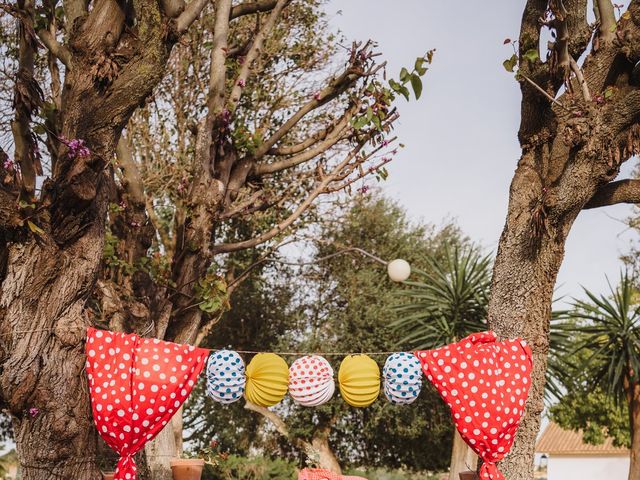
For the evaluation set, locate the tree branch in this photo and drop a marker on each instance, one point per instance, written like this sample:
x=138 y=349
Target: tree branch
x=252 y=55
x=248 y=8
x=606 y=17
x=172 y=8
x=191 y=12
x=335 y=136
x=58 y=50
x=621 y=191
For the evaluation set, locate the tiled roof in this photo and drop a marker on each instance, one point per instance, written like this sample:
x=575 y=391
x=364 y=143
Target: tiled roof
x=555 y=440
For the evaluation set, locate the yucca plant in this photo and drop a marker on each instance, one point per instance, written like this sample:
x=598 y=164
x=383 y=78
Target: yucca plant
x=449 y=301
x=607 y=338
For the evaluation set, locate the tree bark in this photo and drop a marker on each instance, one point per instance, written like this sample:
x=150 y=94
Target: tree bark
x=634 y=417
x=462 y=457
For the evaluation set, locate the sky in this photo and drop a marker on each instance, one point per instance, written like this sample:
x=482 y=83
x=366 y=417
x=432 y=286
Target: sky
x=461 y=136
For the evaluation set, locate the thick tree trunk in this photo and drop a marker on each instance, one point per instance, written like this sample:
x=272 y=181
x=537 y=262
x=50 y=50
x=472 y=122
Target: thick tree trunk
x=524 y=276
x=462 y=457
x=44 y=292
x=326 y=457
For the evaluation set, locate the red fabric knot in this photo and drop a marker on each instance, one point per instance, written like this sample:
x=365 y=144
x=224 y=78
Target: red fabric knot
x=486 y=385
x=137 y=385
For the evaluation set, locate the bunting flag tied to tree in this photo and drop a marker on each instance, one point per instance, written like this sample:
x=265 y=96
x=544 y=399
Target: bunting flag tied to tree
x=486 y=384
x=136 y=386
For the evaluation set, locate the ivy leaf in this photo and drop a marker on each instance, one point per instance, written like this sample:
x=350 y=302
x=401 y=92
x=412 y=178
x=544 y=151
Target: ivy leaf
x=416 y=83
x=404 y=75
x=404 y=91
x=510 y=63
x=419 y=66
x=531 y=55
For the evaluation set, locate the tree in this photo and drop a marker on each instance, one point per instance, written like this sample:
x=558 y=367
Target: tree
x=573 y=141
x=344 y=303
x=610 y=332
x=447 y=304
x=74 y=206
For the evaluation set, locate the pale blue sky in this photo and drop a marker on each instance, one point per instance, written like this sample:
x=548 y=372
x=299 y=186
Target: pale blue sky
x=461 y=145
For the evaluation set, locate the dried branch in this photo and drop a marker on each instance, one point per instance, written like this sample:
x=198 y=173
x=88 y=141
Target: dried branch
x=621 y=191
x=586 y=95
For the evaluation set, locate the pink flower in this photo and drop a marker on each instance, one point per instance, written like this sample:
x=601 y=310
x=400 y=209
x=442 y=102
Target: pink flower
x=33 y=411
x=8 y=164
x=317 y=96
x=77 y=148
x=242 y=83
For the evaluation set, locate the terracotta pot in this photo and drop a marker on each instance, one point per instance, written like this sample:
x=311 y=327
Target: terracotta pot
x=468 y=475
x=108 y=475
x=187 y=468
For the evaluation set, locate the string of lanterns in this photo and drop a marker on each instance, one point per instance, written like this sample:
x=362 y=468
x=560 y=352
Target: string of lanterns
x=310 y=380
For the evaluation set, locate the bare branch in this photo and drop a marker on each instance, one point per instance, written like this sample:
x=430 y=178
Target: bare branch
x=253 y=54
x=61 y=52
x=248 y=8
x=621 y=191
x=336 y=135
x=276 y=230
x=586 y=95
x=191 y=12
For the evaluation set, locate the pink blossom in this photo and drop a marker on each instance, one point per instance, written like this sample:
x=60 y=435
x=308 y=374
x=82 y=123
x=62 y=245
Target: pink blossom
x=77 y=148
x=33 y=411
x=317 y=96
x=8 y=164
x=242 y=83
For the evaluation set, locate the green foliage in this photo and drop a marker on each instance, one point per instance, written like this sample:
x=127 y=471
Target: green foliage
x=450 y=300
x=254 y=468
x=212 y=293
x=414 y=78
x=593 y=412
x=610 y=331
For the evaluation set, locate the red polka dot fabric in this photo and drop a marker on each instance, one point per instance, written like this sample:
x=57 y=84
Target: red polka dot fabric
x=136 y=386
x=486 y=384
x=320 y=474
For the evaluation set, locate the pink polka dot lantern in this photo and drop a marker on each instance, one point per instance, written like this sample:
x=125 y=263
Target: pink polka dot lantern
x=311 y=381
x=137 y=385
x=486 y=385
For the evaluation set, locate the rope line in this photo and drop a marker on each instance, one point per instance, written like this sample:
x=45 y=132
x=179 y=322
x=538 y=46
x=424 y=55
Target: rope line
x=248 y=352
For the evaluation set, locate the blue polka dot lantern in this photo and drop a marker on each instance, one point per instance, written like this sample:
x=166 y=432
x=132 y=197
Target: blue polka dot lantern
x=402 y=378
x=225 y=376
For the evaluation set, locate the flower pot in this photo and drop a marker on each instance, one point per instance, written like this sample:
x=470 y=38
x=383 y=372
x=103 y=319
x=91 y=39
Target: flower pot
x=108 y=475
x=468 y=475
x=187 y=468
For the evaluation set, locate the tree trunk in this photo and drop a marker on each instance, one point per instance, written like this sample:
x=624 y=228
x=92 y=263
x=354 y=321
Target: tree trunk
x=44 y=292
x=634 y=416
x=462 y=457
x=159 y=452
x=524 y=276
x=326 y=457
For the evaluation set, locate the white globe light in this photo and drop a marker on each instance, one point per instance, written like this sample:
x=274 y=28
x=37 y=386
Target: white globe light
x=398 y=270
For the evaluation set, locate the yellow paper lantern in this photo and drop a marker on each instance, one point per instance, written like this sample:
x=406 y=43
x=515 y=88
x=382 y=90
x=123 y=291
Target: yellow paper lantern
x=359 y=379
x=267 y=379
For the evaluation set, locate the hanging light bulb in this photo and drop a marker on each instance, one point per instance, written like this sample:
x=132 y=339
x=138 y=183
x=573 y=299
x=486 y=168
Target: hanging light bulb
x=398 y=270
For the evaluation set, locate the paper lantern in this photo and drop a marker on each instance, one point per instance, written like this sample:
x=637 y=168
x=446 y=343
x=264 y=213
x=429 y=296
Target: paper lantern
x=311 y=381
x=398 y=270
x=402 y=378
x=359 y=379
x=136 y=386
x=267 y=379
x=225 y=376
x=486 y=384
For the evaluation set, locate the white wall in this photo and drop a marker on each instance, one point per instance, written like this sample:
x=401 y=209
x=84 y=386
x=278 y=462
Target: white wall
x=583 y=467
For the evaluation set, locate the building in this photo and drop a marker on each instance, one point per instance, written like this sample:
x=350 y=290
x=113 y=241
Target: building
x=568 y=457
